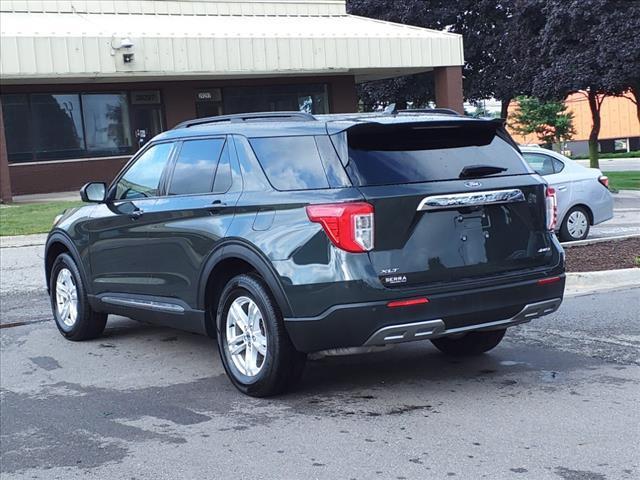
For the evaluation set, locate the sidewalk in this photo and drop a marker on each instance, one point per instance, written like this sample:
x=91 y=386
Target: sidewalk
x=47 y=197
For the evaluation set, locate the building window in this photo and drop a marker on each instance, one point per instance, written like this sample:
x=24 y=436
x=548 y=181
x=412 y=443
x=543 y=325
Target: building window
x=303 y=98
x=57 y=126
x=47 y=126
x=17 y=127
x=106 y=120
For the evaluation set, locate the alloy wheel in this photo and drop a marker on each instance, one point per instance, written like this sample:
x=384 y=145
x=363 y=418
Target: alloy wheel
x=246 y=336
x=66 y=298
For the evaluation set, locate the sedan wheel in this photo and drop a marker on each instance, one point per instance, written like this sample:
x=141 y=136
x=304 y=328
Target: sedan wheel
x=575 y=226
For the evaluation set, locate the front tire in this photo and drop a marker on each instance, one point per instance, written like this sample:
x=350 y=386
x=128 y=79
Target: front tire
x=255 y=349
x=74 y=317
x=575 y=225
x=472 y=343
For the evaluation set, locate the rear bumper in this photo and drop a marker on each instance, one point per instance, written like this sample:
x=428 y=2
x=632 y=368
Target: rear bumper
x=373 y=323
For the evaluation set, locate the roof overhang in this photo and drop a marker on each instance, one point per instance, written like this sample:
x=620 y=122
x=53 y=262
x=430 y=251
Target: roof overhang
x=297 y=38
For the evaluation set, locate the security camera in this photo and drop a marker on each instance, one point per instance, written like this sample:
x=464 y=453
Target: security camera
x=126 y=43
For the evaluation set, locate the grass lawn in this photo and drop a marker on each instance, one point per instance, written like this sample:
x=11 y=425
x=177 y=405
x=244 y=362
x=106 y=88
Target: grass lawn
x=23 y=219
x=627 y=180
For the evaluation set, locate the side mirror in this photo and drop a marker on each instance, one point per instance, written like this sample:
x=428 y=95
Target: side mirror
x=93 y=192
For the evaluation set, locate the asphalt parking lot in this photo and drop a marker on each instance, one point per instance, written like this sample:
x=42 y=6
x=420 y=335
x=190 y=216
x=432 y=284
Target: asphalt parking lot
x=558 y=399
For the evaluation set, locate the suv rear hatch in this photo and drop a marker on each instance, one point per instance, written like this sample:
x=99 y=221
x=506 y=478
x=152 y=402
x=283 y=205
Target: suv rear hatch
x=453 y=200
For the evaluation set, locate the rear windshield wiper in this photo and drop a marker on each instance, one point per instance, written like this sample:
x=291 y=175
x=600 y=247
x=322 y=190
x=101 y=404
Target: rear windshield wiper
x=473 y=171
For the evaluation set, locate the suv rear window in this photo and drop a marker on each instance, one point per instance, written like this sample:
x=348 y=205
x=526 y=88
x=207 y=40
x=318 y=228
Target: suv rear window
x=412 y=154
x=291 y=163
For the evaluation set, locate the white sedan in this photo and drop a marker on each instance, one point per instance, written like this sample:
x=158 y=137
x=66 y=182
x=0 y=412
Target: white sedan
x=583 y=193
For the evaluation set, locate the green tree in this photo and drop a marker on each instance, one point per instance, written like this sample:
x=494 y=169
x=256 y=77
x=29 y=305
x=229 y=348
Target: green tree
x=548 y=120
x=591 y=47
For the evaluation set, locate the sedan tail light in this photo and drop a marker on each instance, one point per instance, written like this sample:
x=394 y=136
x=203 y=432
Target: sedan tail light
x=604 y=180
x=552 y=208
x=348 y=225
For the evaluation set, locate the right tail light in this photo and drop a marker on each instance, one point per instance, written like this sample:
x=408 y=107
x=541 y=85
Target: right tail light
x=552 y=208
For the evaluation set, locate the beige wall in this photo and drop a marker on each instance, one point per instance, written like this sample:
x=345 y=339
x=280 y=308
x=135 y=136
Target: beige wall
x=619 y=118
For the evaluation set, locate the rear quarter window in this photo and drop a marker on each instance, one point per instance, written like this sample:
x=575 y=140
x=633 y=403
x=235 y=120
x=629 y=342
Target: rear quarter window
x=291 y=163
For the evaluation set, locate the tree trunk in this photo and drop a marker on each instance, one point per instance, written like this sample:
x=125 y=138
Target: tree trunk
x=594 y=106
x=504 y=109
x=635 y=90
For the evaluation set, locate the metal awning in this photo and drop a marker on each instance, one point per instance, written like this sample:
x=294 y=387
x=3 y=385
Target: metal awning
x=81 y=40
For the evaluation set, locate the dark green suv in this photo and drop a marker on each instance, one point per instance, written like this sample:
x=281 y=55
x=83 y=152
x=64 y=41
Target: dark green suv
x=285 y=233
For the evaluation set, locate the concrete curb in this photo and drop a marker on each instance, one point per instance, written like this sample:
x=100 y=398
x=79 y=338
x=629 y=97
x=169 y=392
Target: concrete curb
x=583 y=283
x=592 y=241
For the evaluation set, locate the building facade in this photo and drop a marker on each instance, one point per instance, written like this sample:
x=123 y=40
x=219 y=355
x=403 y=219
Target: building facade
x=84 y=84
x=620 y=131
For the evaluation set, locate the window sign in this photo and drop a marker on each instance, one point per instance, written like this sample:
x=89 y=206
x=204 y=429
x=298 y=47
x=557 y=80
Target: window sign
x=147 y=97
x=211 y=95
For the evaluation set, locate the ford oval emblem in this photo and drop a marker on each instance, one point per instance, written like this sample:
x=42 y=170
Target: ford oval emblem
x=472 y=184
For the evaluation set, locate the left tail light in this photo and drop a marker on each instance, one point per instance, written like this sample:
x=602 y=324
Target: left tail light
x=552 y=208
x=604 y=180
x=348 y=225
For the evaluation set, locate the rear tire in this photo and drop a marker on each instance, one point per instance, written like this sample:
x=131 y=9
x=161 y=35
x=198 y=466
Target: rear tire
x=472 y=343
x=254 y=346
x=575 y=225
x=74 y=317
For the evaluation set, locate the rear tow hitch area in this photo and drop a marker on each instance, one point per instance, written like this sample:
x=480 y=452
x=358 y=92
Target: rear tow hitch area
x=409 y=332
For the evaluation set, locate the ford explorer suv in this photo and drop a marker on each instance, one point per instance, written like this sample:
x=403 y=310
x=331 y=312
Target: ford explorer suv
x=282 y=234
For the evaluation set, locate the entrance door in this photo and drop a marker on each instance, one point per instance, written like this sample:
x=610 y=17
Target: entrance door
x=146 y=114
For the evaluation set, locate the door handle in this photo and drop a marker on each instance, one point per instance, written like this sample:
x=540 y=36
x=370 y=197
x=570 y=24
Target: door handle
x=562 y=188
x=136 y=214
x=217 y=205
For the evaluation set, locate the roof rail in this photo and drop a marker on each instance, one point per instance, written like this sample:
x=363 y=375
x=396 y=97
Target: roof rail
x=439 y=111
x=243 y=117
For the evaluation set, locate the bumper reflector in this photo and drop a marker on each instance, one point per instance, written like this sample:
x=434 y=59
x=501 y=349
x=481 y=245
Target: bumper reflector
x=547 y=281
x=407 y=303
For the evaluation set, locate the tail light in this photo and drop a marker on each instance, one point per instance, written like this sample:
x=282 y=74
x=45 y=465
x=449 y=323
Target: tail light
x=552 y=208
x=604 y=180
x=348 y=225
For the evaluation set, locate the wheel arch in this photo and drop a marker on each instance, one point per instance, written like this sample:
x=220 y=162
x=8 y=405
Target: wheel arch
x=585 y=207
x=59 y=243
x=228 y=260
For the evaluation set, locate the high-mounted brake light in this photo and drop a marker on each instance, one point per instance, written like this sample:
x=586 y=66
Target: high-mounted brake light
x=604 y=180
x=348 y=225
x=552 y=208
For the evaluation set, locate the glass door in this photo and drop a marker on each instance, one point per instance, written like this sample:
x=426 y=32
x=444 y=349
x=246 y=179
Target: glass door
x=146 y=114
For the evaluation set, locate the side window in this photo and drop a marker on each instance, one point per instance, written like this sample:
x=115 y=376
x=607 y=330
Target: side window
x=558 y=166
x=195 y=166
x=291 y=163
x=142 y=179
x=332 y=166
x=542 y=164
x=222 y=183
